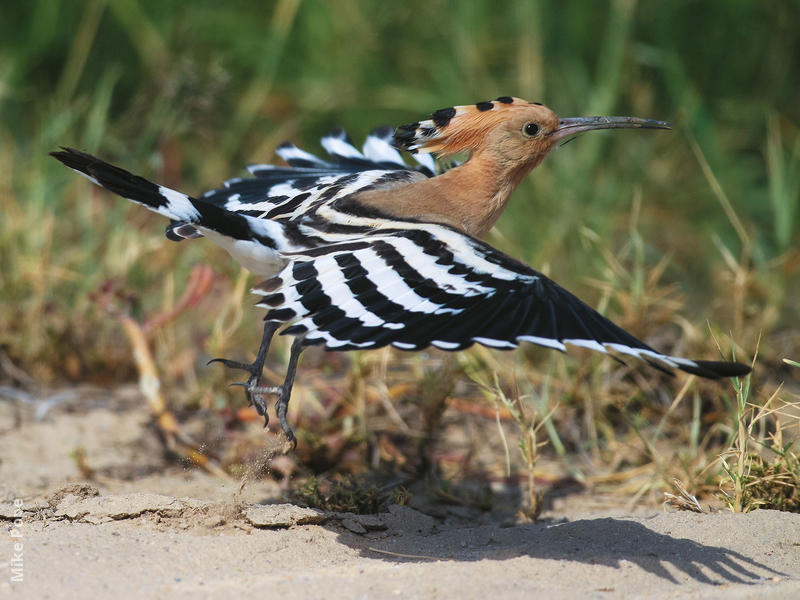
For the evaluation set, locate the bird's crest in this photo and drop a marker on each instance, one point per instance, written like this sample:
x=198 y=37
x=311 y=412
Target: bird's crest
x=457 y=128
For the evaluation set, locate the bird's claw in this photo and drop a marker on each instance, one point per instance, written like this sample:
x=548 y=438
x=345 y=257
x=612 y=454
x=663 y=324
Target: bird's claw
x=234 y=364
x=251 y=387
x=281 y=408
x=255 y=395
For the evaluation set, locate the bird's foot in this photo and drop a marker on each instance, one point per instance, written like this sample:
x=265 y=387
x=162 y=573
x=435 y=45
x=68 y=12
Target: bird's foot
x=251 y=387
x=256 y=394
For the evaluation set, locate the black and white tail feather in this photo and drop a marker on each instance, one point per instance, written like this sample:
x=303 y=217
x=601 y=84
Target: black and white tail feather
x=348 y=280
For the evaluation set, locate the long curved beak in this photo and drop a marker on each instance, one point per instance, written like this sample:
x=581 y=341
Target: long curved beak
x=573 y=125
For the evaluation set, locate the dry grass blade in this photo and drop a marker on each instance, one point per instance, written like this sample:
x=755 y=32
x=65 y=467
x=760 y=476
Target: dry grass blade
x=683 y=500
x=401 y=555
x=721 y=196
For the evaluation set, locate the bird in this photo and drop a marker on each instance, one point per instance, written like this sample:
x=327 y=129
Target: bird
x=364 y=250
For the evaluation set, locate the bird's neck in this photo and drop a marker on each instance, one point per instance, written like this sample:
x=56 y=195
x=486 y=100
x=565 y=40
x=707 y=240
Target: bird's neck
x=470 y=197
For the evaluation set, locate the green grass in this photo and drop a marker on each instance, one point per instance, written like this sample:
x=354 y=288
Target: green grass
x=672 y=234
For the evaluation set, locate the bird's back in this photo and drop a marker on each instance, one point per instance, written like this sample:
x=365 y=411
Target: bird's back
x=308 y=182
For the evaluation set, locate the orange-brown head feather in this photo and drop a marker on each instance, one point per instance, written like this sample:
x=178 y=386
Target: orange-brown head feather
x=505 y=138
x=467 y=128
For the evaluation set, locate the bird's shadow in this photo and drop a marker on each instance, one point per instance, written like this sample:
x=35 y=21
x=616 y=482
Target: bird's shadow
x=602 y=541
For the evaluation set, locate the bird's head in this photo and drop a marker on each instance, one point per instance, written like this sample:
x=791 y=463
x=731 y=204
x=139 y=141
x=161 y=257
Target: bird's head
x=521 y=132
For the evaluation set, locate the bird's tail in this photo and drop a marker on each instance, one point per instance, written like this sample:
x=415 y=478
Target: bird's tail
x=182 y=209
x=165 y=201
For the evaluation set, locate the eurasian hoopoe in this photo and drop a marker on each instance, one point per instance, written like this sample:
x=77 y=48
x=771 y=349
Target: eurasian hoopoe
x=364 y=251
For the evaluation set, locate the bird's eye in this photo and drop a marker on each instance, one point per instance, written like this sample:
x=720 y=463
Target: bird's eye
x=531 y=129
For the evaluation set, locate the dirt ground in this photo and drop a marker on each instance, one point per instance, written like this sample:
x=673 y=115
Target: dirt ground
x=144 y=528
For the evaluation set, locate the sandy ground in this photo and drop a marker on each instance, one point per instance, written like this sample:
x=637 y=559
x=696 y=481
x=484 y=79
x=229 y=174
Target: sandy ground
x=144 y=529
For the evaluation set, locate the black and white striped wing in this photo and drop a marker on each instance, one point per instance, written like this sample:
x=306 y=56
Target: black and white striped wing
x=287 y=192
x=433 y=286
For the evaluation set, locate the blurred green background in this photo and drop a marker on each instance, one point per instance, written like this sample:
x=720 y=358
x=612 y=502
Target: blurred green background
x=187 y=93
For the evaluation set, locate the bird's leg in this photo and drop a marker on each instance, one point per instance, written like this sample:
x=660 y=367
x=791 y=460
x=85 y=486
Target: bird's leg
x=284 y=391
x=282 y=404
x=255 y=368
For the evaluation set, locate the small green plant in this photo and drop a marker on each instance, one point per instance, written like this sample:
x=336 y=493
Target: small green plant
x=740 y=450
x=775 y=483
x=763 y=473
x=342 y=495
x=529 y=421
